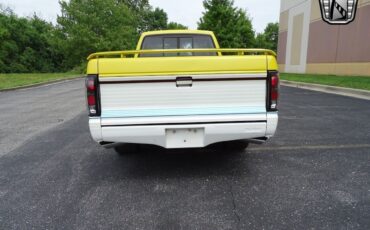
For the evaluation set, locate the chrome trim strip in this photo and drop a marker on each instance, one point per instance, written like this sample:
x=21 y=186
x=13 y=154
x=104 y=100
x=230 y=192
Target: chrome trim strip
x=194 y=77
x=183 y=119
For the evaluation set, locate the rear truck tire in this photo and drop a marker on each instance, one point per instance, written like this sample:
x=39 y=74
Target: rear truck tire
x=238 y=145
x=125 y=149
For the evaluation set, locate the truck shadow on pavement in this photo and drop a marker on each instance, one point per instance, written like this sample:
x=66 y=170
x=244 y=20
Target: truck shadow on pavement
x=152 y=161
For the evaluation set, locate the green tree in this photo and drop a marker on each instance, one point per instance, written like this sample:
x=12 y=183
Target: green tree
x=272 y=35
x=137 y=5
x=269 y=38
x=260 y=41
x=84 y=26
x=25 y=44
x=146 y=17
x=176 y=26
x=154 y=20
x=88 y=26
x=232 y=25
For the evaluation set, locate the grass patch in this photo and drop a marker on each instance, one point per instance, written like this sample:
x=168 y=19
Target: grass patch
x=8 y=81
x=354 y=82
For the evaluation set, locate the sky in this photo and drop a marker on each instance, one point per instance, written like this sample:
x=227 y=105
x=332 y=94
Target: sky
x=186 y=12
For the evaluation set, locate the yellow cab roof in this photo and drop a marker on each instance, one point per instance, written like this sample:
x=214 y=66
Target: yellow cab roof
x=160 y=32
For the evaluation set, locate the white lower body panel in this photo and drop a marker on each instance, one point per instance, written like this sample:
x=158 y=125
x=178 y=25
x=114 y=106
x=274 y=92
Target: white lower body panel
x=195 y=132
x=163 y=135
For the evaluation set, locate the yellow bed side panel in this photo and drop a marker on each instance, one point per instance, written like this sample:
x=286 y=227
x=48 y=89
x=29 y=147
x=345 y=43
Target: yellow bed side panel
x=92 y=66
x=272 y=63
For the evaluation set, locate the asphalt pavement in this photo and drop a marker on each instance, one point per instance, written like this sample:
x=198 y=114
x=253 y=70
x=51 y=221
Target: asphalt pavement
x=28 y=112
x=315 y=174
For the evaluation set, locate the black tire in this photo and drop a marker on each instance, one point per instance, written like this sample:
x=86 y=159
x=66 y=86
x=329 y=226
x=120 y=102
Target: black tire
x=236 y=145
x=230 y=145
x=125 y=149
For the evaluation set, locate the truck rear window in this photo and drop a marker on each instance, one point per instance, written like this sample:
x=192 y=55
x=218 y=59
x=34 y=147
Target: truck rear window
x=177 y=42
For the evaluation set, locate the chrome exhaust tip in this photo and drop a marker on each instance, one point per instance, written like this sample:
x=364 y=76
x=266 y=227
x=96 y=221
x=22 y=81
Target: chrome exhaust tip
x=109 y=145
x=259 y=141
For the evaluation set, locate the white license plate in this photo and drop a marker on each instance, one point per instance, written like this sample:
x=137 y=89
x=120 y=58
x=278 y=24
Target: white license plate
x=185 y=138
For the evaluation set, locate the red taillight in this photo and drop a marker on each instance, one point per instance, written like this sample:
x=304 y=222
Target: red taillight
x=274 y=80
x=91 y=100
x=273 y=91
x=92 y=95
x=274 y=95
x=90 y=84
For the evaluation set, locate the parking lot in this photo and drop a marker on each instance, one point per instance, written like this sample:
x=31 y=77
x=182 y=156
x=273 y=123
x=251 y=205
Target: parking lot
x=314 y=174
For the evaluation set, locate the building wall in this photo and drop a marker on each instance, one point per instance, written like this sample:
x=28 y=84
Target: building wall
x=307 y=44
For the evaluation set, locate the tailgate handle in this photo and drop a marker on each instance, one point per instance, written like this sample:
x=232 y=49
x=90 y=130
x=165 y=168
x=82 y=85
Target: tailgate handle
x=184 y=82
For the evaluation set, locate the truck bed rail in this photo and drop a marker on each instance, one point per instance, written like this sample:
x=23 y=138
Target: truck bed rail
x=134 y=53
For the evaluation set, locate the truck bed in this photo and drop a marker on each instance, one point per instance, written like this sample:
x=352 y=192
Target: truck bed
x=206 y=99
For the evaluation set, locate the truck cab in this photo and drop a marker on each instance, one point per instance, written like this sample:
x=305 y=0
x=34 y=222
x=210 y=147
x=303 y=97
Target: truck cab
x=179 y=89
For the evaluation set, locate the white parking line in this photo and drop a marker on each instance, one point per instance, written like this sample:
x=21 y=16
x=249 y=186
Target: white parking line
x=310 y=147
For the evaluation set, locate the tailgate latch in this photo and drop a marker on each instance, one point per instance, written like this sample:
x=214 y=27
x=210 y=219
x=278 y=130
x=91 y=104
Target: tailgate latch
x=184 y=82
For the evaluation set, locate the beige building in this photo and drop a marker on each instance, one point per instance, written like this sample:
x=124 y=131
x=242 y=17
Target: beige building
x=307 y=44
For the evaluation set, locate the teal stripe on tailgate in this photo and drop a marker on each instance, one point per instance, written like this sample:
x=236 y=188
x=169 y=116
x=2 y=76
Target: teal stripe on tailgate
x=181 y=112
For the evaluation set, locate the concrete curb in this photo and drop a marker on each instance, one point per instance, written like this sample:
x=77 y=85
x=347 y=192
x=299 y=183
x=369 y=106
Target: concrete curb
x=357 y=93
x=41 y=84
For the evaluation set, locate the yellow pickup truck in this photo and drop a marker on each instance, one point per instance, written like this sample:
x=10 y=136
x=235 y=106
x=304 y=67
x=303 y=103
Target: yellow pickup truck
x=179 y=89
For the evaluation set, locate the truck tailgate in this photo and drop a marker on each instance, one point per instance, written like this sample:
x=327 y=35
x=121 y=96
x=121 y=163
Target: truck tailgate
x=143 y=100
